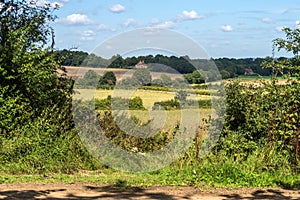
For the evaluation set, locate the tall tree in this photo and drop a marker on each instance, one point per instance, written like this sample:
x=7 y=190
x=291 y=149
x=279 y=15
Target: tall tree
x=143 y=76
x=291 y=44
x=28 y=68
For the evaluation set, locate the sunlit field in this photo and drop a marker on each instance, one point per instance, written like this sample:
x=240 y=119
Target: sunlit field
x=167 y=120
x=149 y=97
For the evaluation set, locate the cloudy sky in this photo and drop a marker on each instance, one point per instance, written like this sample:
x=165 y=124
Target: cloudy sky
x=228 y=28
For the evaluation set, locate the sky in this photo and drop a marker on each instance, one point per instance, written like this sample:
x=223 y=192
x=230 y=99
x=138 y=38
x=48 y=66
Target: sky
x=228 y=28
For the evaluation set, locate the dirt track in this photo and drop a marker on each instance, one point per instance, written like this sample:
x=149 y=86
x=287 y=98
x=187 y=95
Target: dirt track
x=79 y=191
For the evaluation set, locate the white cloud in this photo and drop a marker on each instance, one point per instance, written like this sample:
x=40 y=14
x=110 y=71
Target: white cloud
x=189 y=15
x=267 y=20
x=103 y=27
x=76 y=19
x=279 y=28
x=41 y=3
x=56 y=5
x=87 y=38
x=154 y=21
x=151 y=31
x=226 y=28
x=130 y=22
x=88 y=33
x=117 y=8
x=298 y=24
x=165 y=25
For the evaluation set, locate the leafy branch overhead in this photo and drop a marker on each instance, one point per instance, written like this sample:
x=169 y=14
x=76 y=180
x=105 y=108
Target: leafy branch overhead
x=290 y=44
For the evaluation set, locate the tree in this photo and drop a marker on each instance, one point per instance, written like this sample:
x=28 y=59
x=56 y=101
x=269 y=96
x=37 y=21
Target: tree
x=225 y=74
x=107 y=81
x=136 y=103
x=109 y=78
x=291 y=44
x=117 y=62
x=90 y=79
x=28 y=69
x=181 y=95
x=143 y=76
x=194 y=78
x=166 y=80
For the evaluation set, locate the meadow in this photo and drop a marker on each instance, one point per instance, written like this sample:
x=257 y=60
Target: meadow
x=149 y=97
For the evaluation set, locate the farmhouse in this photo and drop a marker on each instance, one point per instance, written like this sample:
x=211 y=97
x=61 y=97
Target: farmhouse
x=140 y=65
x=249 y=71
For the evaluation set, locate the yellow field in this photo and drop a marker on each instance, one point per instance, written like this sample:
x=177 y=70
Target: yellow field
x=149 y=97
x=167 y=120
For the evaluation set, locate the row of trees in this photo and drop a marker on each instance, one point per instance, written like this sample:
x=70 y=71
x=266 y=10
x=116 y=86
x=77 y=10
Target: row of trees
x=91 y=80
x=228 y=67
x=140 y=77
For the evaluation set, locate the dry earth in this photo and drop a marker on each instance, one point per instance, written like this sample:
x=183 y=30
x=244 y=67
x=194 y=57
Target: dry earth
x=83 y=191
x=78 y=72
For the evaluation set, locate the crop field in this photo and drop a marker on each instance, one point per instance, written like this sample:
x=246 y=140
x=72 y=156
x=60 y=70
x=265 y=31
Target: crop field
x=166 y=120
x=149 y=97
x=78 y=72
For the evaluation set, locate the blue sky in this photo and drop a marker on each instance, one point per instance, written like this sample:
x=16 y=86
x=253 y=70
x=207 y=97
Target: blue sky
x=228 y=28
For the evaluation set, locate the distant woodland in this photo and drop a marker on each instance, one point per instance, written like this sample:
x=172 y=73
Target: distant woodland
x=228 y=67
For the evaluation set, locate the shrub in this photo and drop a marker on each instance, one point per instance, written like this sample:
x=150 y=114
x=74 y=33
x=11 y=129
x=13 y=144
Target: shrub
x=136 y=104
x=118 y=103
x=258 y=117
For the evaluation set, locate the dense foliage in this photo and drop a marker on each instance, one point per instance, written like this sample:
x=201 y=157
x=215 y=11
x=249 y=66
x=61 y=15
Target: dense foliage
x=93 y=80
x=119 y=103
x=266 y=115
x=36 y=129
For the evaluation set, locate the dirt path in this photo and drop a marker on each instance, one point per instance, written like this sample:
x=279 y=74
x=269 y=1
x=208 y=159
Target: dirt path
x=80 y=191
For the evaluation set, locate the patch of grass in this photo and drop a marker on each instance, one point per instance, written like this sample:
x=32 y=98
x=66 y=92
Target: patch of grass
x=167 y=118
x=207 y=172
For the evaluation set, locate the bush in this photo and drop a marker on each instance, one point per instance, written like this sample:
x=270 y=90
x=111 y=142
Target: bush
x=136 y=104
x=118 y=103
x=261 y=117
x=167 y=105
x=174 y=104
x=129 y=142
x=42 y=145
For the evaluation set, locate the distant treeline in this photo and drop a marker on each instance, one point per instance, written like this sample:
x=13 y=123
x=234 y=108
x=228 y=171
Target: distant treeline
x=228 y=67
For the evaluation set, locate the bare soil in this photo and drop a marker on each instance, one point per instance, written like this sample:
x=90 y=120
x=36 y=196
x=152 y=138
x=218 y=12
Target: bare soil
x=86 y=191
x=78 y=72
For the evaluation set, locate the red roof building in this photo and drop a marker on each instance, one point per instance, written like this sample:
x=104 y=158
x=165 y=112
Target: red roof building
x=140 y=65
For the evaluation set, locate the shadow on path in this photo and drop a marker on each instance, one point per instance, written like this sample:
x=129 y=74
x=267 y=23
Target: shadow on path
x=26 y=194
x=261 y=194
x=103 y=192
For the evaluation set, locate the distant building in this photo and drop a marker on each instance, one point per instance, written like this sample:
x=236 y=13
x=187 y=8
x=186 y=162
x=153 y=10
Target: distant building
x=140 y=65
x=249 y=71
